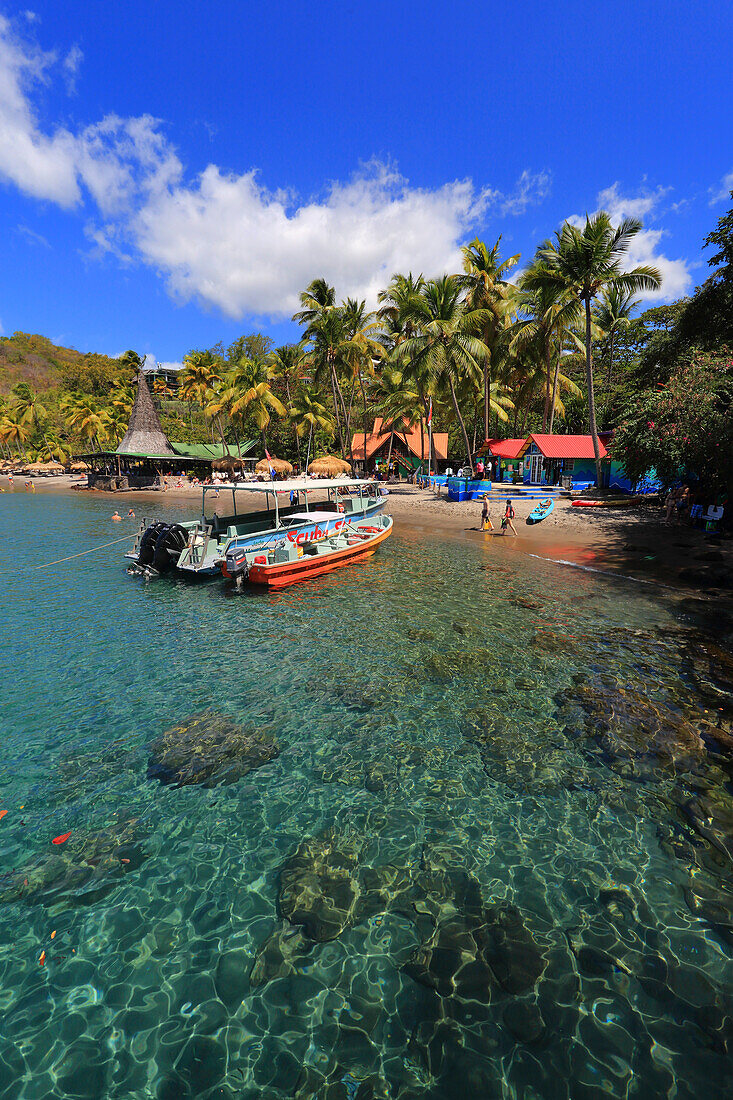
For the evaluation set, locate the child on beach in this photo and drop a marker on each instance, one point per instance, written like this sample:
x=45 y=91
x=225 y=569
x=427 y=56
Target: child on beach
x=508 y=517
x=486 y=524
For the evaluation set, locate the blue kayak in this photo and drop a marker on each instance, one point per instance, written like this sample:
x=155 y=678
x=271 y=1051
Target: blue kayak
x=541 y=512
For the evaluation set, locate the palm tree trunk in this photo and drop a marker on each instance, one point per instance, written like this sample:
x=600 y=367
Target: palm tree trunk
x=487 y=392
x=364 y=400
x=460 y=421
x=548 y=358
x=591 y=394
x=609 y=381
x=554 y=390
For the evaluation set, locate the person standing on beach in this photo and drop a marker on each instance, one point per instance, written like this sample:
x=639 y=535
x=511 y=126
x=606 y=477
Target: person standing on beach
x=486 y=524
x=508 y=518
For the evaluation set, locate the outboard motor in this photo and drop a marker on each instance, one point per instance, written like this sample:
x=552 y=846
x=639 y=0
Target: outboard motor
x=236 y=566
x=170 y=542
x=146 y=550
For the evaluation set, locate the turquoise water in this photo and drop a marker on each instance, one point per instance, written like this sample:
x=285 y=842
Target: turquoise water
x=488 y=852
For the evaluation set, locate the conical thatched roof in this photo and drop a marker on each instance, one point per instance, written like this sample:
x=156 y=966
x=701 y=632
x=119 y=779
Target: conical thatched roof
x=144 y=435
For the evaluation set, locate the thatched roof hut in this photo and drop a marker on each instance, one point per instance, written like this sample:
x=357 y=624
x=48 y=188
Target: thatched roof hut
x=329 y=466
x=144 y=434
x=279 y=465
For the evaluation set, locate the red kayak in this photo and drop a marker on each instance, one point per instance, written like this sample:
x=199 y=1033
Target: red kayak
x=604 y=503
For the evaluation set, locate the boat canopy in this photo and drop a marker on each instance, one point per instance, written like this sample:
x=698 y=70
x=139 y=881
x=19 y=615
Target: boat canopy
x=298 y=485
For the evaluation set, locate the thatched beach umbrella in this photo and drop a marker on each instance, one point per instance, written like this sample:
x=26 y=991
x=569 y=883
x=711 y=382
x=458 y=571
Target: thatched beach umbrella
x=54 y=467
x=228 y=463
x=79 y=467
x=329 y=466
x=279 y=465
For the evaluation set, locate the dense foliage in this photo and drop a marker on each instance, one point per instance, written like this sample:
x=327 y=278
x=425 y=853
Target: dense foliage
x=683 y=428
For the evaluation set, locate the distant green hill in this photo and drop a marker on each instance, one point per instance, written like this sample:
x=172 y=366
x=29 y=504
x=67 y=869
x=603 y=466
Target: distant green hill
x=34 y=359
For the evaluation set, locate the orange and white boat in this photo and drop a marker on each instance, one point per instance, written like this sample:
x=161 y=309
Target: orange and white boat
x=284 y=563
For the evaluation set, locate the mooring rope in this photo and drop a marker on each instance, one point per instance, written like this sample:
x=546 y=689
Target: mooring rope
x=48 y=564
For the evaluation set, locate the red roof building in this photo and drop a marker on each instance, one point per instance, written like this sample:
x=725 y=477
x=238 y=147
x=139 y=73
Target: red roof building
x=563 y=446
x=508 y=449
x=407 y=442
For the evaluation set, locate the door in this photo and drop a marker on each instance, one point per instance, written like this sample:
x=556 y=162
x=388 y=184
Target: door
x=535 y=470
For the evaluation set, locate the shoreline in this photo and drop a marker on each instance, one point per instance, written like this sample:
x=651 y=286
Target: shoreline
x=628 y=541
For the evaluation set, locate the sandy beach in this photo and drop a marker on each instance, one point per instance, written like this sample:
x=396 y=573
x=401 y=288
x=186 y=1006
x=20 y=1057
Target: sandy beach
x=628 y=539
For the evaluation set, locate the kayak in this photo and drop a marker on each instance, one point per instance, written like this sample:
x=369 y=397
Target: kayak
x=541 y=512
x=604 y=503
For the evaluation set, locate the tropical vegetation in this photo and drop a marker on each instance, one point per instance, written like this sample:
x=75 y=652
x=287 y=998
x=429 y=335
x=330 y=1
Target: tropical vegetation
x=562 y=347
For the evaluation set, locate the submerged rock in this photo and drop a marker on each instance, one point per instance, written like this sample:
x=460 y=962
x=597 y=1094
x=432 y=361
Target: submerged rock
x=81 y=870
x=628 y=724
x=319 y=888
x=478 y=956
x=209 y=749
x=280 y=956
x=711 y=666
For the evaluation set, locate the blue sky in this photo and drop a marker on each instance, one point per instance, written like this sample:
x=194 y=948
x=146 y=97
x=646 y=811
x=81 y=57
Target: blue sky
x=174 y=173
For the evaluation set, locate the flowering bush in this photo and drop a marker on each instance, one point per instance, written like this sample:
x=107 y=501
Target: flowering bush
x=683 y=428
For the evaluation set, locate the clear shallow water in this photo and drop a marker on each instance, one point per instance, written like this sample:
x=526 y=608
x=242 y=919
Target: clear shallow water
x=499 y=889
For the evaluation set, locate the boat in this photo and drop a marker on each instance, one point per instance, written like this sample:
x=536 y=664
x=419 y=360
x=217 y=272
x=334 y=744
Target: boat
x=541 y=512
x=284 y=562
x=194 y=548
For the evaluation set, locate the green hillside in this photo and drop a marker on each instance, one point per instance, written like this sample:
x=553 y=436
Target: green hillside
x=34 y=359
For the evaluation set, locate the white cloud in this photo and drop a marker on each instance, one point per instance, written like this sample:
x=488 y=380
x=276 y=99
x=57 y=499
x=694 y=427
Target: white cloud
x=723 y=192
x=150 y=363
x=32 y=236
x=71 y=63
x=531 y=188
x=225 y=238
x=645 y=246
x=234 y=245
x=117 y=160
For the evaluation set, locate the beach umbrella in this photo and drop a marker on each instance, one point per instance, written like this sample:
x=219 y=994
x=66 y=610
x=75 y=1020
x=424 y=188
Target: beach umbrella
x=79 y=467
x=279 y=465
x=329 y=466
x=53 y=467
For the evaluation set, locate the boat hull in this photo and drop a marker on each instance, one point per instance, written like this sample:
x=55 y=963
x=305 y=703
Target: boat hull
x=308 y=567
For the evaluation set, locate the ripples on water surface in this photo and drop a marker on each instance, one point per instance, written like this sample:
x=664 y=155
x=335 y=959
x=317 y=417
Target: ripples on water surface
x=465 y=874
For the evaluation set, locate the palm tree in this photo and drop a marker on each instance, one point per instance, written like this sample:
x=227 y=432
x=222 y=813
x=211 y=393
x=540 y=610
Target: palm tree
x=13 y=430
x=551 y=312
x=308 y=415
x=252 y=393
x=199 y=381
x=326 y=333
x=612 y=314
x=587 y=261
x=85 y=417
x=287 y=365
x=27 y=405
x=487 y=290
x=446 y=346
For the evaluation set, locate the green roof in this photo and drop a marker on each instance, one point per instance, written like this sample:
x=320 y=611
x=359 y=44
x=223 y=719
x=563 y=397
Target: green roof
x=211 y=450
x=196 y=452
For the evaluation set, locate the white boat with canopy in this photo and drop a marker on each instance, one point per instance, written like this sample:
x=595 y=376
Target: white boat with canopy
x=196 y=547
